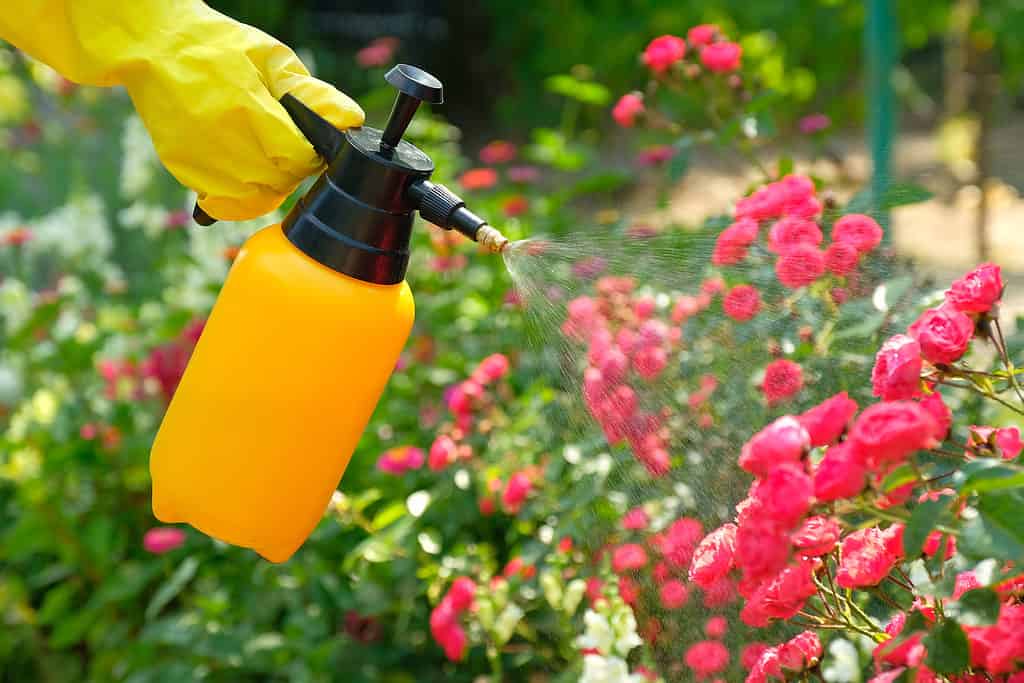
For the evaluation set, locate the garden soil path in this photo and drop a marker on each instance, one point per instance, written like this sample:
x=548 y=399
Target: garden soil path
x=939 y=235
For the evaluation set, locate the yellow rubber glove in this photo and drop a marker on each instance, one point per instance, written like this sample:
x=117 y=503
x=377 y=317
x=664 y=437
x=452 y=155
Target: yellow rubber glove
x=206 y=86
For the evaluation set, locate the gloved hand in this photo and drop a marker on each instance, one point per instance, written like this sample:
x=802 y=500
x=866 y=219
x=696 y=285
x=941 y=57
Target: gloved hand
x=206 y=86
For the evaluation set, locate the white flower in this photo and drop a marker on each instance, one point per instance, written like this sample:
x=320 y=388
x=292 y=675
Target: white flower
x=624 y=625
x=552 y=588
x=139 y=158
x=844 y=664
x=506 y=623
x=598 y=669
x=573 y=595
x=598 y=634
x=77 y=229
x=15 y=303
x=11 y=384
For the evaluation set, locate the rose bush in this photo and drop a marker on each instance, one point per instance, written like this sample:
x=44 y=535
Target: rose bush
x=788 y=457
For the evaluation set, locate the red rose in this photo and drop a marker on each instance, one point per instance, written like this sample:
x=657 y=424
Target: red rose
x=944 y=334
x=889 y=432
x=940 y=413
x=790 y=231
x=897 y=372
x=721 y=57
x=628 y=557
x=839 y=475
x=784 y=440
x=498 y=152
x=713 y=559
x=742 y=303
x=782 y=379
x=801 y=265
x=866 y=560
x=859 y=230
x=703 y=34
x=841 y=258
x=978 y=291
x=731 y=245
x=818 y=536
x=479 y=179
x=785 y=494
x=828 y=420
x=627 y=109
x=663 y=52
x=802 y=652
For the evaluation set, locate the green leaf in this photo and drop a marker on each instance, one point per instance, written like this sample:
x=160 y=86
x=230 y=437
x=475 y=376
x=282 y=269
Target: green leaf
x=981 y=538
x=988 y=474
x=904 y=474
x=1003 y=509
x=587 y=92
x=601 y=182
x=859 y=203
x=922 y=521
x=948 y=651
x=979 y=607
x=902 y=194
x=388 y=515
x=55 y=604
x=174 y=585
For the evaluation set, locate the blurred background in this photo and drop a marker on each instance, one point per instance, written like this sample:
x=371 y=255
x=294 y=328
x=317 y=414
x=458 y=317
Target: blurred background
x=914 y=109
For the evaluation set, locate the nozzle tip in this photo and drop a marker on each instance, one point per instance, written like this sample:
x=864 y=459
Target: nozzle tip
x=492 y=239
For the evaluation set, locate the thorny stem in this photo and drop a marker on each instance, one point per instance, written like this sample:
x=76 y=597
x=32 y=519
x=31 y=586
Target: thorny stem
x=1001 y=346
x=880 y=594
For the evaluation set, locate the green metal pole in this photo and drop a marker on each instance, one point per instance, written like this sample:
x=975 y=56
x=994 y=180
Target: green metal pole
x=880 y=49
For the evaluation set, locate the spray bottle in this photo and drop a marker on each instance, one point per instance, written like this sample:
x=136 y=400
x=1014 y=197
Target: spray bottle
x=303 y=337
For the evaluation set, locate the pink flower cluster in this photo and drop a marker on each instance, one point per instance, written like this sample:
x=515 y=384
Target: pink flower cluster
x=939 y=337
x=666 y=55
x=400 y=460
x=795 y=237
x=626 y=344
x=444 y=619
x=164 y=366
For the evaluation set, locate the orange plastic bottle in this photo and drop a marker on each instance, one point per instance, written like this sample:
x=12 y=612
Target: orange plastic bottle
x=304 y=335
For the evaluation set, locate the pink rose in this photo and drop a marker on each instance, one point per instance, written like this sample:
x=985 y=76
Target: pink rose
x=978 y=291
x=826 y=422
x=800 y=266
x=707 y=658
x=801 y=652
x=516 y=491
x=818 y=536
x=703 y=34
x=790 y=231
x=497 y=152
x=663 y=52
x=890 y=432
x=732 y=243
x=627 y=109
x=673 y=594
x=462 y=593
x=742 y=303
x=897 y=371
x=839 y=475
x=941 y=415
x=782 y=379
x=784 y=440
x=814 y=123
x=785 y=494
x=635 y=520
x=944 y=334
x=841 y=258
x=163 y=539
x=865 y=559
x=861 y=231
x=716 y=627
x=627 y=557
x=442 y=453
x=713 y=558
x=721 y=57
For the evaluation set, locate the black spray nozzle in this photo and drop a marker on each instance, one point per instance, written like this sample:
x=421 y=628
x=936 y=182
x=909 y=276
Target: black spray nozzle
x=445 y=209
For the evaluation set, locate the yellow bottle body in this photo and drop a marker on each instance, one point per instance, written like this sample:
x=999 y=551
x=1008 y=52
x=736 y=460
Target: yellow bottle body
x=281 y=385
